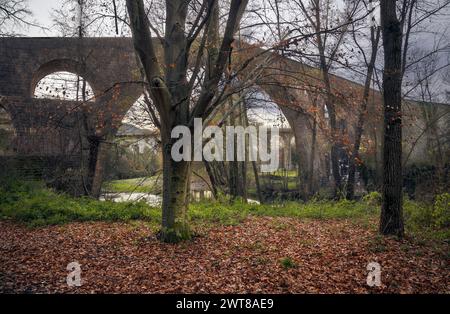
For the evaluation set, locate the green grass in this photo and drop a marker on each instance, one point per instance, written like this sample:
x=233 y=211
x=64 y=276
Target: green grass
x=234 y=213
x=35 y=205
x=282 y=173
x=32 y=203
x=287 y=262
x=144 y=185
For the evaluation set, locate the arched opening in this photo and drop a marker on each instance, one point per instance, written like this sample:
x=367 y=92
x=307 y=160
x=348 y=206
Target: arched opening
x=60 y=70
x=263 y=110
x=134 y=162
x=137 y=144
x=64 y=86
x=59 y=129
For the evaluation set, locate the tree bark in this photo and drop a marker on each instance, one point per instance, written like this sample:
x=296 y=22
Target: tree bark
x=97 y=179
x=174 y=203
x=391 y=220
x=331 y=110
x=312 y=157
x=359 y=129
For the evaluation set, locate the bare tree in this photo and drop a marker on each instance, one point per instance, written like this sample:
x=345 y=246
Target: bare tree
x=326 y=40
x=14 y=14
x=171 y=88
x=369 y=62
x=98 y=18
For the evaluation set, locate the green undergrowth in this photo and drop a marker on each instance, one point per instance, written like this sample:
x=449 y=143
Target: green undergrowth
x=35 y=205
x=142 y=185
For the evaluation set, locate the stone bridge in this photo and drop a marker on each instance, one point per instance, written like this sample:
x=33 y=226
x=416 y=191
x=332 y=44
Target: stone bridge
x=46 y=127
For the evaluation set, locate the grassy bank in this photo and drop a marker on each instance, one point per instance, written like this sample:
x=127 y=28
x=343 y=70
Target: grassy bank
x=35 y=205
x=145 y=185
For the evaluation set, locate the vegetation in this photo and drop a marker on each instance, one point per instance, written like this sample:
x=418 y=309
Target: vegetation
x=144 y=185
x=34 y=204
x=430 y=221
x=363 y=87
x=287 y=262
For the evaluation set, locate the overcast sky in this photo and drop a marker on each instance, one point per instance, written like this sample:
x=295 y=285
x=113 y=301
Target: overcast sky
x=42 y=9
x=41 y=13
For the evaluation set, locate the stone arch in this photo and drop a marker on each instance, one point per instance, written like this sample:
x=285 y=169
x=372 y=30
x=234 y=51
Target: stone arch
x=62 y=65
x=66 y=86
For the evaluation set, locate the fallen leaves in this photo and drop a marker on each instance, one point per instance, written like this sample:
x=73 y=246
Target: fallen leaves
x=330 y=256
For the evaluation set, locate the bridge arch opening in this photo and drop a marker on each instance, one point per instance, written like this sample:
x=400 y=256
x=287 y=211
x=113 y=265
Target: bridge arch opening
x=64 y=85
x=137 y=150
x=63 y=79
x=263 y=109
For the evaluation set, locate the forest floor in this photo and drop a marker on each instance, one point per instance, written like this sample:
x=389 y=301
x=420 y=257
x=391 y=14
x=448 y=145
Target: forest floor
x=258 y=255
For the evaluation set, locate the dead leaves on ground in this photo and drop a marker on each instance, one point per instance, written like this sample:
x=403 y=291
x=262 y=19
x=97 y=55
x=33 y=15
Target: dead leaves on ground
x=325 y=256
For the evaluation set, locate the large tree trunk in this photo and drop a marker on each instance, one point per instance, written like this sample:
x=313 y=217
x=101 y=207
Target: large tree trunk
x=175 y=201
x=391 y=220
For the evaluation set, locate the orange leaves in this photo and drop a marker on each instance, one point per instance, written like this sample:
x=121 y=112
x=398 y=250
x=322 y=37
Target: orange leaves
x=345 y=140
x=313 y=110
x=331 y=256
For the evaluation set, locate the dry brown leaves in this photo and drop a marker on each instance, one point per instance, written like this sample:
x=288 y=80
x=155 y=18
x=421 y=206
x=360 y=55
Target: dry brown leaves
x=330 y=257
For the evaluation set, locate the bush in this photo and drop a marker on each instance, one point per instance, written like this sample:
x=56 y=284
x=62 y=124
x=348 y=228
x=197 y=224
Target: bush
x=428 y=220
x=441 y=211
x=373 y=199
x=417 y=214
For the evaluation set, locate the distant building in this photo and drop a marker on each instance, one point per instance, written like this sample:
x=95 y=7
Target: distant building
x=137 y=139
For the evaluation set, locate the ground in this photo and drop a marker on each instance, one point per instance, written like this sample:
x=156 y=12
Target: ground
x=258 y=255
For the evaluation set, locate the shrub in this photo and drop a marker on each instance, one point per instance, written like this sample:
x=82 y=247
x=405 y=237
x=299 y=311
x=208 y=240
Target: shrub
x=417 y=214
x=441 y=211
x=373 y=199
x=428 y=221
